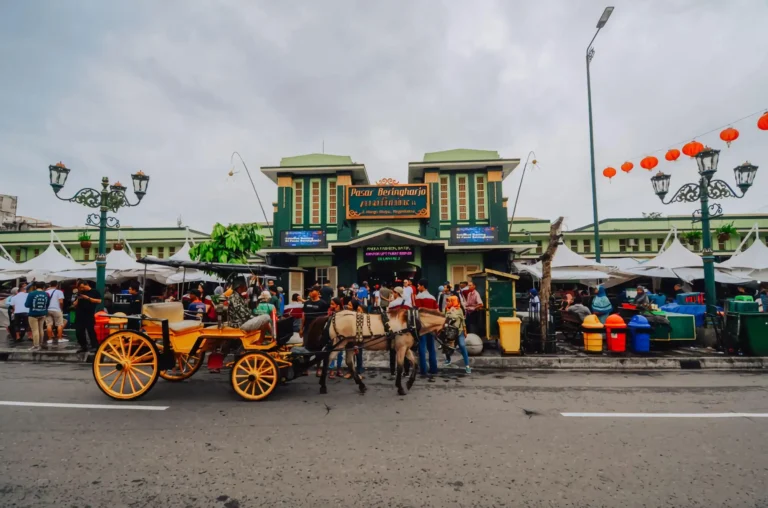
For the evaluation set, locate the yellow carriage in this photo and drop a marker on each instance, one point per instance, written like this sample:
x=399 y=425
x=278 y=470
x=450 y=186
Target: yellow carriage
x=161 y=343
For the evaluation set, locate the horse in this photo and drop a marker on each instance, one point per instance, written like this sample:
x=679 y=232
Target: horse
x=349 y=329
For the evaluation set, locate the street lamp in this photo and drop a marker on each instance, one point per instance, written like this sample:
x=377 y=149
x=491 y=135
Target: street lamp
x=590 y=54
x=109 y=198
x=703 y=191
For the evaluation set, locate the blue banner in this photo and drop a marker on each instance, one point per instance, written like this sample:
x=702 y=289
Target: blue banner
x=303 y=238
x=474 y=235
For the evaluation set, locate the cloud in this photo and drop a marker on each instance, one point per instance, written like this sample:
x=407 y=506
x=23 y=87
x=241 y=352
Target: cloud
x=174 y=87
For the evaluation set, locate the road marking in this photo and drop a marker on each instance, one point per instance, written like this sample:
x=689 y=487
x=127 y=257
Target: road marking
x=82 y=406
x=665 y=415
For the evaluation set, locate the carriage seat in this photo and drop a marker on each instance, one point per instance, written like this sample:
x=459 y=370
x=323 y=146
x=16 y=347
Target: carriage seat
x=174 y=313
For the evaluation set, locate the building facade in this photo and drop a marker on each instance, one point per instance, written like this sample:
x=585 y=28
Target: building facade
x=447 y=220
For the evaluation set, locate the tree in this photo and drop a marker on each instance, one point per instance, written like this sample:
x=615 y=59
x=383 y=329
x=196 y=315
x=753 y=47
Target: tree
x=546 y=278
x=230 y=244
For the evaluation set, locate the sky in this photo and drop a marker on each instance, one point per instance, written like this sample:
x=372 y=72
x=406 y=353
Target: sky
x=174 y=87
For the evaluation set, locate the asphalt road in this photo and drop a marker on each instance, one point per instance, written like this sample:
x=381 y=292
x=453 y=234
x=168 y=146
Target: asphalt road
x=491 y=439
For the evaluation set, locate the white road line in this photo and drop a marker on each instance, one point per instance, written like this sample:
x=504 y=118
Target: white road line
x=82 y=406
x=665 y=415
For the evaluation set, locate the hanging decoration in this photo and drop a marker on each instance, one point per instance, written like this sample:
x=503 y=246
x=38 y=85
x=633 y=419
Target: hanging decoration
x=609 y=173
x=728 y=135
x=649 y=162
x=627 y=167
x=672 y=155
x=692 y=149
x=762 y=123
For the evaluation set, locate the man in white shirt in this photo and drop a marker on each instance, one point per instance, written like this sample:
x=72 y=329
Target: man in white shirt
x=55 y=317
x=20 y=312
x=407 y=293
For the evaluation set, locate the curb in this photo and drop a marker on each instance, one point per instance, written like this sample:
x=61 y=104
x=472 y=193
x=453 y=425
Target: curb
x=378 y=359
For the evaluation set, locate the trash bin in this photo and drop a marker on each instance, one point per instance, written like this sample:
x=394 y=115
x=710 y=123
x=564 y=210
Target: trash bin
x=509 y=335
x=592 y=330
x=743 y=298
x=740 y=305
x=640 y=332
x=615 y=334
x=755 y=327
x=101 y=320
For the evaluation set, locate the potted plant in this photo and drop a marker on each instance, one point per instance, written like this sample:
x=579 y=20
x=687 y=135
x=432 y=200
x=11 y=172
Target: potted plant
x=693 y=237
x=118 y=245
x=725 y=231
x=85 y=240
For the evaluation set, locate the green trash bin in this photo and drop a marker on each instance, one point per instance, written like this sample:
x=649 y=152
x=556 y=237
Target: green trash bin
x=739 y=306
x=754 y=327
x=743 y=298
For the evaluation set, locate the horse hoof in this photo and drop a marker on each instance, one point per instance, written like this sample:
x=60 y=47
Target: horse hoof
x=362 y=388
x=409 y=384
x=400 y=391
x=323 y=390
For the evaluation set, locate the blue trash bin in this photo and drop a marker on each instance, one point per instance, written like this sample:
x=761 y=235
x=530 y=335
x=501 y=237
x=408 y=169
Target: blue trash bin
x=640 y=334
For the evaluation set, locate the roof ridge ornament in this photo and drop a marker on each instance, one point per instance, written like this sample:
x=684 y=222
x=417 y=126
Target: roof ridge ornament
x=388 y=181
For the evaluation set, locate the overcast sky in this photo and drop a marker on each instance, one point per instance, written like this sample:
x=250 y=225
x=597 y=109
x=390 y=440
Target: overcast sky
x=173 y=87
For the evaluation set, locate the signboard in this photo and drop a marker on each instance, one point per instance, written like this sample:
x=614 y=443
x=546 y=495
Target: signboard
x=302 y=239
x=382 y=253
x=474 y=235
x=388 y=201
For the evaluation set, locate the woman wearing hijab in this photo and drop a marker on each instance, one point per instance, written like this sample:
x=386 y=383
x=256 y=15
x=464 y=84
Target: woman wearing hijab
x=641 y=300
x=601 y=305
x=455 y=316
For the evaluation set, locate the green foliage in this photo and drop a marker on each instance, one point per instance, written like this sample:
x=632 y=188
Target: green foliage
x=83 y=237
x=726 y=229
x=693 y=236
x=231 y=244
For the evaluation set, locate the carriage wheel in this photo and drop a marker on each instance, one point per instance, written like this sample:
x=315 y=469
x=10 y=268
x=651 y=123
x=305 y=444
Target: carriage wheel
x=255 y=376
x=185 y=366
x=126 y=365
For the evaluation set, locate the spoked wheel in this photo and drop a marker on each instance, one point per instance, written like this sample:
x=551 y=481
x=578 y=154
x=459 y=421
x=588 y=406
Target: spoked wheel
x=255 y=376
x=185 y=365
x=126 y=365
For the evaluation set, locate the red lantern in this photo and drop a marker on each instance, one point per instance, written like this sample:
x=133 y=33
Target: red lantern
x=627 y=167
x=729 y=134
x=672 y=155
x=609 y=173
x=762 y=123
x=692 y=149
x=649 y=162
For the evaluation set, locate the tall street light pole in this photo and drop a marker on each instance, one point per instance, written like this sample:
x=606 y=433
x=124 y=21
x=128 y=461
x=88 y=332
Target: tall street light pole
x=591 y=53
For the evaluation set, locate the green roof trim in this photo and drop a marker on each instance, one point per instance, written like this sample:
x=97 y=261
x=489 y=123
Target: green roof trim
x=316 y=159
x=462 y=155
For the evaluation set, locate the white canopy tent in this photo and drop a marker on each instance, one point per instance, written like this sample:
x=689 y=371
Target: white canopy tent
x=751 y=263
x=677 y=262
x=119 y=264
x=570 y=266
x=51 y=260
x=168 y=275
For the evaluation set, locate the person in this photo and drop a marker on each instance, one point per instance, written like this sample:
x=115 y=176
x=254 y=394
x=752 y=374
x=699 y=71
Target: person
x=579 y=308
x=134 y=298
x=376 y=297
x=660 y=299
x=281 y=301
x=407 y=295
x=442 y=298
x=424 y=300
x=20 y=312
x=678 y=289
x=238 y=311
x=474 y=308
x=601 y=305
x=763 y=297
x=463 y=290
x=567 y=301
x=266 y=303
x=196 y=308
x=326 y=292
x=534 y=303
x=455 y=317
x=109 y=300
x=85 y=308
x=295 y=309
x=641 y=299
x=37 y=303
x=9 y=307
x=397 y=302
x=54 y=320
x=314 y=308
x=363 y=295
x=385 y=297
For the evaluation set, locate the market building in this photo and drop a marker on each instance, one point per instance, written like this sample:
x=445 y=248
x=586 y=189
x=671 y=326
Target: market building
x=449 y=219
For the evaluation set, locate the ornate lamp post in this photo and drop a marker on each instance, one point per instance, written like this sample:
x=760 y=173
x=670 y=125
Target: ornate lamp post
x=109 y=198
x=703 y=191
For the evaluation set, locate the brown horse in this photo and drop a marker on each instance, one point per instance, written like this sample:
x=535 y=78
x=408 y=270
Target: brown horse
x=344 y=333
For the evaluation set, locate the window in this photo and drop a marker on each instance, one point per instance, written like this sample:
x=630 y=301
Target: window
x=18 y=255
x=539 y=249
x=461 y=184
x=149 y=251
x=720 y=244
x=171 y=251
x=161 y=252
x=635 y=243
x=574 y=245
x=332 y=201
x=587 y=245
x=622 y=245
x=601 y=246
x=321 y=275
x=460 y=273
x=137 y=251
x=480 y=202
x=298 y=202
x=295 y=283
x=37 y=252
x=315 y=201
x=445 y=199
x=659 y=243
x=647 y=245
x=87 y=254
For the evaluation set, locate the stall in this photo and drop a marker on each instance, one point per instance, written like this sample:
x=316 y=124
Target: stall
x=498 y=292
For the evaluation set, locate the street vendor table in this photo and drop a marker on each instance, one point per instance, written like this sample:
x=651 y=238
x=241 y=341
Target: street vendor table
x=682 y=327
x=695 y=310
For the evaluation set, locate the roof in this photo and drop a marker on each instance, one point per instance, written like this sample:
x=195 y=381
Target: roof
x=461 y=155
x=461 y=159
x=316 y=159
x=317 y=164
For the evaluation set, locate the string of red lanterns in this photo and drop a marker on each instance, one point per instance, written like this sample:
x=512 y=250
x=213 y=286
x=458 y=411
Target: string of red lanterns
x=691 y=149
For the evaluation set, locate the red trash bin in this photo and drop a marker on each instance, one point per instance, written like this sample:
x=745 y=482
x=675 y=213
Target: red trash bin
x=102 y=320
x=615 y=334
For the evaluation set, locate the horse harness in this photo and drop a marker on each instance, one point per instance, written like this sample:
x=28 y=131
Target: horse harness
x=413 y=326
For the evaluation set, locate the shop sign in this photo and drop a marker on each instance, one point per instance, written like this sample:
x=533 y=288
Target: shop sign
x=380 y=253
x=474 y=235
x=388 y=201
x=302 y=239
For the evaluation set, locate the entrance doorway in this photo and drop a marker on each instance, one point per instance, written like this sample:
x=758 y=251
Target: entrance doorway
x=391 y=273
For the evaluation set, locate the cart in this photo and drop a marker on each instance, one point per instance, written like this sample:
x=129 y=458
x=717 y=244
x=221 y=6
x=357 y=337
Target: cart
x=162 y=344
